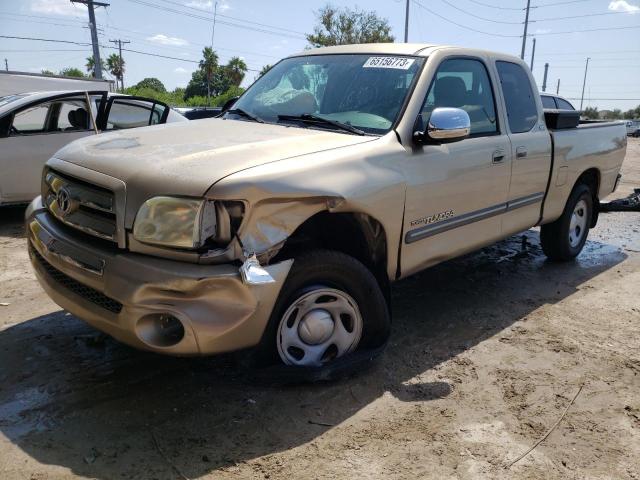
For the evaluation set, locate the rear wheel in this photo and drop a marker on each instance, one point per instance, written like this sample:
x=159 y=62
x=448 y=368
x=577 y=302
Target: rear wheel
x=330 y=306
x=564 y=239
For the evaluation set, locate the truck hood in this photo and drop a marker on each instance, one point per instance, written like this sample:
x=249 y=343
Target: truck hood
x=187 y=158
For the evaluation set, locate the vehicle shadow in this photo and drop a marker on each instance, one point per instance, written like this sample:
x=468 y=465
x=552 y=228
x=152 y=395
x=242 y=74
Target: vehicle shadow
x=12 y=221
x=73 y=398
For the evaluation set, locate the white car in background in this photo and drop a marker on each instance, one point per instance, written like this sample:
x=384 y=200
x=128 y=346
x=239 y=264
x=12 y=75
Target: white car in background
x=33 y=126
x=633 y=128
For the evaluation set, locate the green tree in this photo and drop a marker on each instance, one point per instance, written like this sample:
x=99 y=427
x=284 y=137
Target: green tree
x=115 y=64
x=208 y=65
x=236 y=70
x=152 y=83
x=91 y=66
x=264 y=70
x=591 y=113
x=616 y=114
x=47 y=72
x=345 y=26
x=71 y=72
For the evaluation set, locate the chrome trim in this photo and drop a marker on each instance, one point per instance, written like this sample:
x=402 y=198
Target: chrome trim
x=471 y=217
x=448 y=124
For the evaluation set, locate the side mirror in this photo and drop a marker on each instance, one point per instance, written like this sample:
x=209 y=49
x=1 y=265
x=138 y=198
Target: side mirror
x=445 y=125
x=227 y=105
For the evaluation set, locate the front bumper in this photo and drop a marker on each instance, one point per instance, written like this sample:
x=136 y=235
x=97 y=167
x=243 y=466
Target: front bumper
x=115 y=291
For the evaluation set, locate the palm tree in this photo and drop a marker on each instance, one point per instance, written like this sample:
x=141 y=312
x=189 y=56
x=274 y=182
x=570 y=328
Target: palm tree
x=91 y=66
x=115 y=64
x=236 y=69
x=208 y=64
x=264 y=70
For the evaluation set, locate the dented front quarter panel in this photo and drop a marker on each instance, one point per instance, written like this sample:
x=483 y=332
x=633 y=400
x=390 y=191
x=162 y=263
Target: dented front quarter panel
x=280 y=196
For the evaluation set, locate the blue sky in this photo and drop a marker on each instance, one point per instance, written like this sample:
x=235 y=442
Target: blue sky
x=261 y=32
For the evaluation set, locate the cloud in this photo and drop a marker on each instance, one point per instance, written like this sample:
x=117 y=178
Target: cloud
x=542 y=31
x=166 y=40
x=55 y=7
x=208 y=5
x=181 y=70
x=623 y=6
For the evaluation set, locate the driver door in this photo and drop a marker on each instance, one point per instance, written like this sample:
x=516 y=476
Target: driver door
x=457 y=192
x=122 y=112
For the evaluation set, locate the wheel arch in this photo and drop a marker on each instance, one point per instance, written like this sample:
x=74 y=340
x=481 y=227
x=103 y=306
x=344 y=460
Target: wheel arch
x=354 y=233
x=591 y=177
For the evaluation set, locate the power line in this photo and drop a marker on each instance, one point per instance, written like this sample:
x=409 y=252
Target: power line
x=222 y=22
x=464 y=26
x=560 y=3
x=478 y=16
x=82 y=44
x=497 y=7
x=588 y=30
x=232 y=18
x=552 y=19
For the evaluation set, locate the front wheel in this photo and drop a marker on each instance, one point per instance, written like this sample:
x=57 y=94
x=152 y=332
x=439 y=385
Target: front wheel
x=564 y=239
x=330 y=306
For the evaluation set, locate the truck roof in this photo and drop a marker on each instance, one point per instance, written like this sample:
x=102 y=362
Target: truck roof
x=420 y=49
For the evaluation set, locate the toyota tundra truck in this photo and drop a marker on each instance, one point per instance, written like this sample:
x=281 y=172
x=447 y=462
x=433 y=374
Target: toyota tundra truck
x=278 y=228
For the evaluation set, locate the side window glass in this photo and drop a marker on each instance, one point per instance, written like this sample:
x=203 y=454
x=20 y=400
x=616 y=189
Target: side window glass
x=31 y=120
x=73 y=115
x=521 y=105
x=564 y=105
x=548 y=102
x=126 y=113
x=463 y=83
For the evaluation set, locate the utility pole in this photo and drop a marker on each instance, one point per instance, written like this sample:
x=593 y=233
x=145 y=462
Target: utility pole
x=526 y=24
x=94 y=33
x=6 y=64
x=213 y=27
x=544 y=80
x=120 y=42
x=406 y=23
x=558 y=88
x=584 y=82
x=533 y=53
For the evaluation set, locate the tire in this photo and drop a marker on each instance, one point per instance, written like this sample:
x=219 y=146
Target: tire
x=301 y=333
x=564 y=239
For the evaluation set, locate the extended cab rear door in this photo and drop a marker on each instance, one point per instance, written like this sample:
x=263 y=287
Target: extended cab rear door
x=122 y=111
x=530 y=146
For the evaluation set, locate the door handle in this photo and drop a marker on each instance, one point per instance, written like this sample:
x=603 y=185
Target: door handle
x=498 y=156
x=521 y=152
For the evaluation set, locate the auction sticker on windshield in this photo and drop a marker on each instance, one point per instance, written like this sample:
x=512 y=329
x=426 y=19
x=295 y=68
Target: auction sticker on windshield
x=401 y=63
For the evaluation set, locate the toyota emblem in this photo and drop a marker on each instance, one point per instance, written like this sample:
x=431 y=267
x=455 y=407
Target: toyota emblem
x=63 y=199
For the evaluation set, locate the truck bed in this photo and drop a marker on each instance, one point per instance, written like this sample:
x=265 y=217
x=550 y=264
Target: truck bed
x=599 y=146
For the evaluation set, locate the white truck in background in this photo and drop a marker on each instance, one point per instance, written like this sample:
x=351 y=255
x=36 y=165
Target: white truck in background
x=20 y=82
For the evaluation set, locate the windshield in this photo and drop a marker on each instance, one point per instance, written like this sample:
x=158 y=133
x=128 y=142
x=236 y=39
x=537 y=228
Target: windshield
x=362 y=91
x=10 y=98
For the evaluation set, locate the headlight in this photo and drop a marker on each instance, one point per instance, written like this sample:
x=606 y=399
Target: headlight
x=175 y=222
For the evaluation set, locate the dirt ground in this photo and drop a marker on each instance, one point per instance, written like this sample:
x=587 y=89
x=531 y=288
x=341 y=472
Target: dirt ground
x=486 y=354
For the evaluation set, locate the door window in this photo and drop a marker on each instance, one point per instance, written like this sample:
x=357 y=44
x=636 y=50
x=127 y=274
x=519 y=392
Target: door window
x=463 y=83
x=125 y=113
x=73 y=115
x=548 y=102
x=31 y=120
x=564 y=105
x=522 y=111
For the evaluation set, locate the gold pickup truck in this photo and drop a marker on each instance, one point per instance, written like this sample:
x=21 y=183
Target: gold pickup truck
x=281 y=225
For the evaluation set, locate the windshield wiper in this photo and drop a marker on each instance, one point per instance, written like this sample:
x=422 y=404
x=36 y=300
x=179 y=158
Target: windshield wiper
x=244 y=113
x=311 y=118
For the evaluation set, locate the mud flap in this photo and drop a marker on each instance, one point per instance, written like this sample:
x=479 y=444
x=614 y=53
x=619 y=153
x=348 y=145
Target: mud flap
x=628 y=204
x=352 y=364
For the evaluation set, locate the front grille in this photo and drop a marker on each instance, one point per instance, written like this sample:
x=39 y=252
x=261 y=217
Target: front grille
x=76 y=287
x=85 y=207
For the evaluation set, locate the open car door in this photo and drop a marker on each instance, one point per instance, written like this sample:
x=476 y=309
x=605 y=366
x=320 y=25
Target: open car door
x=121 y=112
